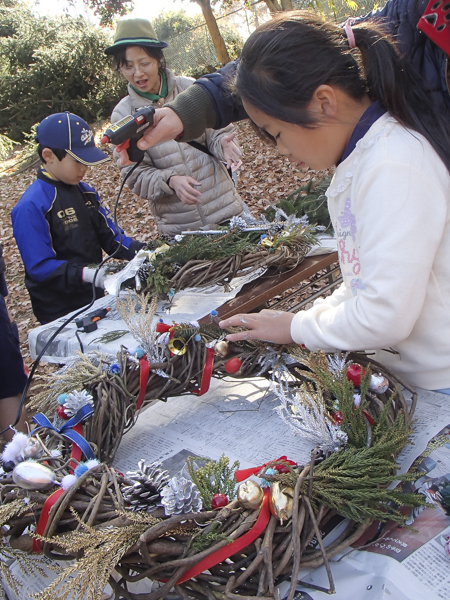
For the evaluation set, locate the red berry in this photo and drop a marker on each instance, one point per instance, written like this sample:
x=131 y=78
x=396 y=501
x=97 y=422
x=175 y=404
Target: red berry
x=282 y=469
x=219 y=501
x=61 y=412
x=354 y=374
x=233 y=365
x=337 y=417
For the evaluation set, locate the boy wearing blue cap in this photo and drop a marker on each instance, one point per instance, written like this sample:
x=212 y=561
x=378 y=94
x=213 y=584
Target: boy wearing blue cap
x=60 y=224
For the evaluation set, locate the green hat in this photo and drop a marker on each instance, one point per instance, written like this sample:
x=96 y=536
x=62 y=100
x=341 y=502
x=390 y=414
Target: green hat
x=134 y=32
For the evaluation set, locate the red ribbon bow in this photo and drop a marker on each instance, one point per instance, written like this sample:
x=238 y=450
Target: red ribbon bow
x=245 y=473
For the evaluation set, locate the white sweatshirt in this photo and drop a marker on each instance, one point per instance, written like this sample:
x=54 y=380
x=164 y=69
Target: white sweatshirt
x=389 y=202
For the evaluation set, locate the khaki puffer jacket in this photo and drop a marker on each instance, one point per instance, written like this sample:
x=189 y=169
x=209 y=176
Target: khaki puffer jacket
x=219 y=198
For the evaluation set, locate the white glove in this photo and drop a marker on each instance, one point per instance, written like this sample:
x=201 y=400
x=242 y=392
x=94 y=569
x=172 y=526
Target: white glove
x=89 y=272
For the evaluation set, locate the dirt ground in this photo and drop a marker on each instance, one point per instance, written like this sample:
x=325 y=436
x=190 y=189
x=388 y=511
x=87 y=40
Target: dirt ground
x=265 y=177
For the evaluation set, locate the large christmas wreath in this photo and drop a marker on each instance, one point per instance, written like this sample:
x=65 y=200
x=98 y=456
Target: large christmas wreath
x=200 y=535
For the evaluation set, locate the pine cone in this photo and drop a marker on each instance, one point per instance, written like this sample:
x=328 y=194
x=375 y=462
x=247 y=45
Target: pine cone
x=76 y=400
x=180 y=496
x=148 y=480
x=142 y=275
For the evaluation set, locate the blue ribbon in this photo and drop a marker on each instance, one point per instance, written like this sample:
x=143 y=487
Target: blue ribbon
x=66 y=430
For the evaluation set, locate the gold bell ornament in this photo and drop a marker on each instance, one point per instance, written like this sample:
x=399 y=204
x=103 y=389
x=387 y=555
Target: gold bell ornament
x=177 y=346
x=221 y=348
x=281 y=501
x=250 y=495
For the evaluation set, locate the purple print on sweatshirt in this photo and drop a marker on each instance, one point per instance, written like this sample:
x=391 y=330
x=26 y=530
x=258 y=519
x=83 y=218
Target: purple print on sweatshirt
x=348 y=219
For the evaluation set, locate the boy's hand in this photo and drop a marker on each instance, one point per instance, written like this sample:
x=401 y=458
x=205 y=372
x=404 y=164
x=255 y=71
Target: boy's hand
x=268 y=325
x=89 y=273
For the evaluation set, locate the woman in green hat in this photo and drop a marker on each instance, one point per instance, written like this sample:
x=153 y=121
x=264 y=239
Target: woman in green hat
x=187 y=187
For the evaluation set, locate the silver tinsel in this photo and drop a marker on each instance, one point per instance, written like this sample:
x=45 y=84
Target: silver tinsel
x=180 y=496
x=337 y=365
x=273 y=361
x=305 y=413
x=148 y=481
x=237 y=223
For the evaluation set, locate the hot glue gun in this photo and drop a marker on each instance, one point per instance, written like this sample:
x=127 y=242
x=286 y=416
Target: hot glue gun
x=129 y=130
x=88 y=323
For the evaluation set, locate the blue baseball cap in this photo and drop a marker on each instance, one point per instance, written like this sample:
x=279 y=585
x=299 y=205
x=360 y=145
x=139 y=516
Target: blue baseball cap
x=66 y=131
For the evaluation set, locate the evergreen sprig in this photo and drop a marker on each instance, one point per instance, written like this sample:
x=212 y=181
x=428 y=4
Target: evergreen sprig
x=213 y=477
x=218 y=246
x=205 y=539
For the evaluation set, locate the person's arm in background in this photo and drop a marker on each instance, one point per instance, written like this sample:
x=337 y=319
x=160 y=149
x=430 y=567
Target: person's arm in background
x=12 y=375
x=206 y=104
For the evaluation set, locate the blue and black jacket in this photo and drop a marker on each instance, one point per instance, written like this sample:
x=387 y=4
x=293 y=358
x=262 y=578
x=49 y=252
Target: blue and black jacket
x=60 y=229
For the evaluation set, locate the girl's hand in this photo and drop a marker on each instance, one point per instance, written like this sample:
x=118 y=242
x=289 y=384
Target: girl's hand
x=182 y=185
x=268 y=325
x=231 y=152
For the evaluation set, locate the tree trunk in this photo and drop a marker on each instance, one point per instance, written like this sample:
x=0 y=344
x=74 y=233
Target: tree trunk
x=287 y=5
x=217 y=39
x=273 y=5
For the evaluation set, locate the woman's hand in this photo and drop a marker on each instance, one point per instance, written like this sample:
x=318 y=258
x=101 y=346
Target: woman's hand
x=167 y=125
x=268 y=325
x=182 y=185
x=231 y=152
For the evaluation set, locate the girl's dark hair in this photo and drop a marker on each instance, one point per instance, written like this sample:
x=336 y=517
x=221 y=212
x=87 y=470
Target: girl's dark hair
x=285 y=60
x=58 y=152
x=120 y=59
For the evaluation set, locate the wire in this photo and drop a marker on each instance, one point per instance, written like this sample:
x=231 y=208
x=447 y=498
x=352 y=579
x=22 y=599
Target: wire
x=82 y=310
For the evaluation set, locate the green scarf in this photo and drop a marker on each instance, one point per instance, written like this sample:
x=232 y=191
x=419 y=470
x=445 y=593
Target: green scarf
x=154 y=97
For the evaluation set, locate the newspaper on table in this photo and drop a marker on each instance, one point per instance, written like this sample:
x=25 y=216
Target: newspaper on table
x=112 y=332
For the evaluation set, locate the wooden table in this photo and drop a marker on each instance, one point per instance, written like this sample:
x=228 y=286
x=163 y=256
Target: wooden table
x=272 y=284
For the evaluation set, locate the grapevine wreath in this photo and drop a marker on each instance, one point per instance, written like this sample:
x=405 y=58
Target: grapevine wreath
x=220 y=532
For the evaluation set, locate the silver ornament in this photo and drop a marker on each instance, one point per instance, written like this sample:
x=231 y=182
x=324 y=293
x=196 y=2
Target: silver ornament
x=31 y=475
x=33 y=450
x=378 y=383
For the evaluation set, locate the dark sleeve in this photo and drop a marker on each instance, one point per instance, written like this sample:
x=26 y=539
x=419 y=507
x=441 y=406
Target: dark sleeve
x=3 y=288
x=208 y=103
x=399 y=19
x=31 y=231
x=109 y=237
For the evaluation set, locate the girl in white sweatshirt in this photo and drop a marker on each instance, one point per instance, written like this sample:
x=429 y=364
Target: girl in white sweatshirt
x=327 y=96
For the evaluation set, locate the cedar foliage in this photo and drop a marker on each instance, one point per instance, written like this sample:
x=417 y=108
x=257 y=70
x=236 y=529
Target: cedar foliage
x=50 y=65
x=307 y=200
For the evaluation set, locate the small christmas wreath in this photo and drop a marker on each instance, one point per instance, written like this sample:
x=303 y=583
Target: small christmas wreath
x=203 y=258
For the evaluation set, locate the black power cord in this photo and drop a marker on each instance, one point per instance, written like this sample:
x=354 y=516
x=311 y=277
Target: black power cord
x=82 y=310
